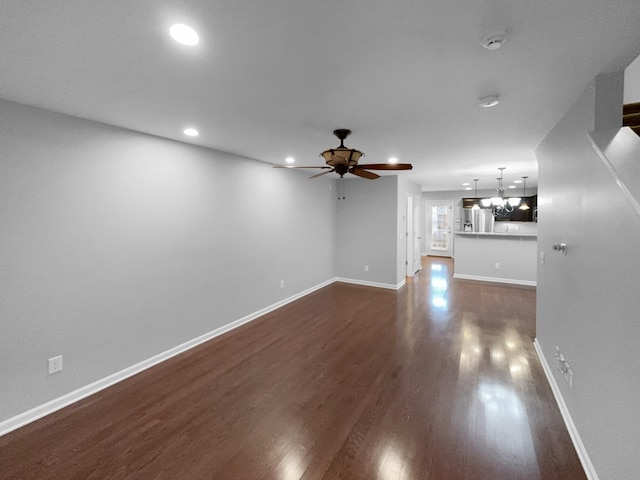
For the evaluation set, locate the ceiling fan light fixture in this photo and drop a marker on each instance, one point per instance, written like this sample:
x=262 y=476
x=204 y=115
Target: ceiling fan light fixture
x=342 y=158
x=488 y=101
x=347 y=156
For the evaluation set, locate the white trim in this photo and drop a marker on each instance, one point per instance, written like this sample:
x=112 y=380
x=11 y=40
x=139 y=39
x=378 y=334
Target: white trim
x=614 y=173
x=566 y=416
x=372 y=284
x=56 y=404
x=462 y=276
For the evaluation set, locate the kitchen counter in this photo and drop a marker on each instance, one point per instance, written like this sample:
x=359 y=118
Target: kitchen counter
x=498 y=234
x=504 y=257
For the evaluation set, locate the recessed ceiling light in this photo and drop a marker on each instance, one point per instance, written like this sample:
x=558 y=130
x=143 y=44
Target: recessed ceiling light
x=465 y=184
x=393 y=160
x=289 y=160
x=517 y=181
x=490 y=101
x=468 y=188
x=511 y=186
x=191 y=132
x=184 y=34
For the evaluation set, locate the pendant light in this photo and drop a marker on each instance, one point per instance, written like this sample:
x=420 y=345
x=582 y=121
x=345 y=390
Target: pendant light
x=475 y=203
x=503 y=208
x=498 y=200
x=524 y=205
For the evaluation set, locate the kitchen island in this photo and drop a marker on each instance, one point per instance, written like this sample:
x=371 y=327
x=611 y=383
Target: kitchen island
x=505 y=257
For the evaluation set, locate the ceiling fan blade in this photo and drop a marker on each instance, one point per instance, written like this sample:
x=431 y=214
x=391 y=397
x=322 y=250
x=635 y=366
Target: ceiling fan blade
x=386 y=166
x=364 y=174
x=291 y=166
x=322 y=173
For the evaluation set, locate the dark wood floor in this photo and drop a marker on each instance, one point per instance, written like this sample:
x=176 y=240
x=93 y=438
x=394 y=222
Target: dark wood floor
x=437 y=381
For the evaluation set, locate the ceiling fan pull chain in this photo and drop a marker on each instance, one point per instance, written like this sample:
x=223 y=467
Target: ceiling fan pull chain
x=344 y=189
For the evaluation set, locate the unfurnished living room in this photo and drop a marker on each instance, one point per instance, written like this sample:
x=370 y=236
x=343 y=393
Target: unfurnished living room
x=346 y=240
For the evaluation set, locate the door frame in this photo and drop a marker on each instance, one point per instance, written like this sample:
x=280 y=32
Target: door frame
x=448 y=252
x=413 y=257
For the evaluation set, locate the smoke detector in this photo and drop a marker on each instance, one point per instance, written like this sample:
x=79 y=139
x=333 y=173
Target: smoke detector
x=490 y=101
x=494 y=39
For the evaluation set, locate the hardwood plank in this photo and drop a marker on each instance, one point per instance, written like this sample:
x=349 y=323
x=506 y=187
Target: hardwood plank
x=437 y=381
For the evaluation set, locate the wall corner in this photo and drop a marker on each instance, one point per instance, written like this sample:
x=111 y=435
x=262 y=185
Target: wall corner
x=609 y=100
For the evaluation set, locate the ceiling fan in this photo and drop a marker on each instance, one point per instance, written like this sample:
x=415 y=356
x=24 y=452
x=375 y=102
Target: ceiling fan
x=345 y=160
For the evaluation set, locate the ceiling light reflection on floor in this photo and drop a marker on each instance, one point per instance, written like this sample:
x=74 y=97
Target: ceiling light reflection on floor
x=439 y=283
x=392 y=464
x=439 y=302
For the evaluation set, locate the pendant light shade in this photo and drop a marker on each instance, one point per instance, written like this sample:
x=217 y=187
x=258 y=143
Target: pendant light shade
x=476 y=205
x=524 y=205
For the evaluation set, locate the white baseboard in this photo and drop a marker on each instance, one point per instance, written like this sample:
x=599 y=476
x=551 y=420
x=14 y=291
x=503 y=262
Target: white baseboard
x=568 y=421
x=56 y=404
x=513 y=281
x=372 y=284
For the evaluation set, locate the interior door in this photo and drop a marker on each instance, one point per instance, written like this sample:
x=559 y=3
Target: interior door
x=439 y=222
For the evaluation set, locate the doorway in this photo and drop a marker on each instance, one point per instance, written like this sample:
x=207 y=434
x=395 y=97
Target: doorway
x=439 y=220
x=413 y=235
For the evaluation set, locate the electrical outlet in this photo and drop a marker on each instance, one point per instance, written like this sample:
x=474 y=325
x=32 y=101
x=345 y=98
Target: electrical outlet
x=497 y=265
x=55 y=364
x=366 y=268
x=281 y=283
x=541 y=258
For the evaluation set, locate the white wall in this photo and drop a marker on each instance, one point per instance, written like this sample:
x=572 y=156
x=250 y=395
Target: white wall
x=477 y=256
x=117 y=246
x=366 y=230
x=371 y=229
x=405 y=188
x=632 y=82
x=588 y=300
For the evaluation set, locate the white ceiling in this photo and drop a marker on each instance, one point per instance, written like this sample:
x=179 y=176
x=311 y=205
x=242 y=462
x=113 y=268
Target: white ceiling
x=274 y=78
